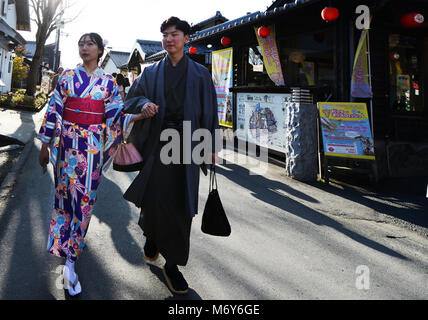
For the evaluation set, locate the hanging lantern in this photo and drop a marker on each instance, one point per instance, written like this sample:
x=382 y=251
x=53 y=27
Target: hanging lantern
x=330 y=14
x=394 y=56
x=297 y=57
x=193 y=50
x=412 y=20
x=263 y=32
x=225 y=41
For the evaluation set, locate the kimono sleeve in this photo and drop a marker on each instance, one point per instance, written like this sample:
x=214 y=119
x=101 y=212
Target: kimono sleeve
x=117 y=122
x=53 y=113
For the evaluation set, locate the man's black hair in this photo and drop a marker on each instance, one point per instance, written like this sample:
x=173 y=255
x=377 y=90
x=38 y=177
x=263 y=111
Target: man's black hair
x=179 y=25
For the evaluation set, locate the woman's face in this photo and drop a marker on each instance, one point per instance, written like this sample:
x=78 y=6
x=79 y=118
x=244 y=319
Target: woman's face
x=88 y=49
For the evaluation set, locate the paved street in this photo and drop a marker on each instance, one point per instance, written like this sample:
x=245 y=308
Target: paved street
x=289 y=241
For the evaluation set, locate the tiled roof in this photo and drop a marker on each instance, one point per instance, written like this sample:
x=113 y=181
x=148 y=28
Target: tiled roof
x=249 y=18
x=200 y=25
x=30 y=48
x=201 y=49
x=150 y=47
x=119 y=58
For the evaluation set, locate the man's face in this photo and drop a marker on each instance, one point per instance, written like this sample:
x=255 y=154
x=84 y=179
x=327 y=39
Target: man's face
x=173 y=40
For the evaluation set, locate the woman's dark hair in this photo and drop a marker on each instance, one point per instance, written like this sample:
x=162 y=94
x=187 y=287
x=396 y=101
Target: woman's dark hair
x=95 y=37
x=179 y=25
x=120 y=79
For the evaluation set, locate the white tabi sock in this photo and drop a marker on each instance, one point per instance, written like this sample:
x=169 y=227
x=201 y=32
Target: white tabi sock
x=70 y=277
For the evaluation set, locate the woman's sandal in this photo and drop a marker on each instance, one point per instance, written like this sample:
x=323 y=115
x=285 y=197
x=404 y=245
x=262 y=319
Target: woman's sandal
x=74 y=288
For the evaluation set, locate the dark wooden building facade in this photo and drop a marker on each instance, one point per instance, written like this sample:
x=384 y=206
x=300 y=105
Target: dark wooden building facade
x=400 y=123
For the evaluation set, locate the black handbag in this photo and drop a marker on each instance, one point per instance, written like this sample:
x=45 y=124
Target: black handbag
x=214 y=219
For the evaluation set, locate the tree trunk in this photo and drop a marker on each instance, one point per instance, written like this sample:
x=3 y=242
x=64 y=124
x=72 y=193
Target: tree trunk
x=34 y=74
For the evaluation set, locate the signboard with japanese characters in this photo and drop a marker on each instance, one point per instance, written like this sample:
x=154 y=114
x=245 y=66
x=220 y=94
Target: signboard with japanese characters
x=345 y=130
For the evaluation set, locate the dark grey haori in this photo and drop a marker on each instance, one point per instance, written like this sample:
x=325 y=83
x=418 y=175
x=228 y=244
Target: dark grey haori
x=200 y=108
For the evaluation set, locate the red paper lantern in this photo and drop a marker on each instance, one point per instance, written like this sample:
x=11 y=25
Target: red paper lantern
x=394 y=56
x=263 y=32
x=193 y=50
x=330 y=14
x=412 y=20
x=225 y=41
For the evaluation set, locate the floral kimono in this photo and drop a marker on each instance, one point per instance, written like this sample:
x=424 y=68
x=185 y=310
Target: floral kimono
x=79 y=153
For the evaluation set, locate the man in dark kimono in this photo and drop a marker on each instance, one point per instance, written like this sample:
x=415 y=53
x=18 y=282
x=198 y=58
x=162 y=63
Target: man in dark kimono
x=176 y=93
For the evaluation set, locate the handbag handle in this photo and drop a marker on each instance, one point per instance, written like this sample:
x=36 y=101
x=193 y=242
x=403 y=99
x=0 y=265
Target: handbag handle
x=213 y=179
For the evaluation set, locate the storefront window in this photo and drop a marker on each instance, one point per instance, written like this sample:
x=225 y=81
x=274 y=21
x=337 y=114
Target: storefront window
x=405 y=74
x=307 y=59
x=256 y=74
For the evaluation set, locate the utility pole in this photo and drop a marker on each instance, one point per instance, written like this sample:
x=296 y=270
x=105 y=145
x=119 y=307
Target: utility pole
x=58 y=37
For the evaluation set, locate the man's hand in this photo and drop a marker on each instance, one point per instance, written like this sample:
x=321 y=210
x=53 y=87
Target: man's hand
x=149 y=110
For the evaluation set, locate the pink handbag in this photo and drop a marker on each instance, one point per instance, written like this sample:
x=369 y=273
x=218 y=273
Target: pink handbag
x=127 y=158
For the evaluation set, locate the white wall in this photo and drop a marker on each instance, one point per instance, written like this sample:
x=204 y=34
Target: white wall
x=111 y=67
x=11 y=15
x=6 y=65
x=6 y=57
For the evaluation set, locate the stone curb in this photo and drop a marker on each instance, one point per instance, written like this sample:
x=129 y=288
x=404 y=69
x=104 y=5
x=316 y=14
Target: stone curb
x=10 y=180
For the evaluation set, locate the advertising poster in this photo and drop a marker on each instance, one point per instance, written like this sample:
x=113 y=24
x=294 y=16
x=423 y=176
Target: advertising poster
x=261 y=119
x=222 y=73
x=271 y=56
x=360 y=83
x=345 y=129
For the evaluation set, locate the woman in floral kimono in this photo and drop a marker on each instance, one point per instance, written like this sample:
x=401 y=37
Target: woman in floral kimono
x=82 y=126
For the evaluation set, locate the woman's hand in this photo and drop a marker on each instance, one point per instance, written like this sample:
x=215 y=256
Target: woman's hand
x=44 y=156
x=149 y=110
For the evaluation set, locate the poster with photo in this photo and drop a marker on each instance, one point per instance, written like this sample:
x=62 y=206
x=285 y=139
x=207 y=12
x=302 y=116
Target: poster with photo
x=261 y=119
x=222 y=74
x=345 y=129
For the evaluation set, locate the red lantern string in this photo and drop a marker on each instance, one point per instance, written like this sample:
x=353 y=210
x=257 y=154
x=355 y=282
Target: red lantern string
x=330 y=14
x=263 y=32
x=225 y=41
x=412 y=20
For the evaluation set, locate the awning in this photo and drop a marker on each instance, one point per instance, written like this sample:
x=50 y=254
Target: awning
x=10 y=33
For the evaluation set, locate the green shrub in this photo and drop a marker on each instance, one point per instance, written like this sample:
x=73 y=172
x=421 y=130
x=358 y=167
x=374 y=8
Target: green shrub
x=19 y=99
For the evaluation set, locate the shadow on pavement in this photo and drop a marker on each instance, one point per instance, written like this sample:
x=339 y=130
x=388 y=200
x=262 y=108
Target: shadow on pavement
x=23 y=229
x=118 y=217
x=260 y=188
x=398 y=198
x=192 y=294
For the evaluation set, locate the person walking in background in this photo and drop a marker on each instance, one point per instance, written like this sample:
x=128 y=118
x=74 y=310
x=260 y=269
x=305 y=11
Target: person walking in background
x=82 y=125
x=55 y=79
x=120 y=79
x=171 y=92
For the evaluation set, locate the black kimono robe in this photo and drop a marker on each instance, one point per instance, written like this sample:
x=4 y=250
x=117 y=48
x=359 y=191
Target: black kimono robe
x=200 y=108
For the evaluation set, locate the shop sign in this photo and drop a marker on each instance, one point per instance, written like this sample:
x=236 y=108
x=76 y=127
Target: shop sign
x=271 y=56
x=345 y=130
x=222 y=74
x=261 y=119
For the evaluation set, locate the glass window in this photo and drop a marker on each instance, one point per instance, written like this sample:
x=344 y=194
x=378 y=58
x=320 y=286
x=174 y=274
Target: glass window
x=256 y=74
x=405 y=74
x=307 y=59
